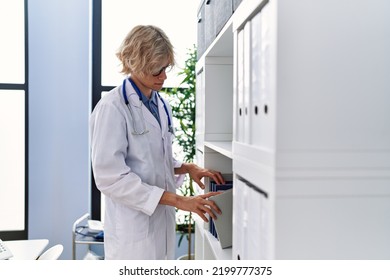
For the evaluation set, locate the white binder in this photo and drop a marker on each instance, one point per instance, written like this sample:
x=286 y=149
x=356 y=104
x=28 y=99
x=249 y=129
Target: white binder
x=223 y=223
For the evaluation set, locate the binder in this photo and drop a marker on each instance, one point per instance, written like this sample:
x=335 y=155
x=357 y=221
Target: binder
x=223 y=224
x=214 y=187
x=240 y=125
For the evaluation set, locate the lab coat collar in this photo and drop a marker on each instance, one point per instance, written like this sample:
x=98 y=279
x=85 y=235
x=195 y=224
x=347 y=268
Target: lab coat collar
x=134 y=101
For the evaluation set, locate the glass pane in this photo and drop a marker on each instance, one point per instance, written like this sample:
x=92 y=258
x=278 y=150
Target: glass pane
x=12 y=160
x=119 y=16
x=12 y=42
x=103 y=94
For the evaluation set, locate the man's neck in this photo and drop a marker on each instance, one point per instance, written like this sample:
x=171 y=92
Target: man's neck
x=145 y=90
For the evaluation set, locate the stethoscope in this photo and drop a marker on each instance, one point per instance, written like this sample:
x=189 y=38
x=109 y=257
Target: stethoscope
x=144 y=130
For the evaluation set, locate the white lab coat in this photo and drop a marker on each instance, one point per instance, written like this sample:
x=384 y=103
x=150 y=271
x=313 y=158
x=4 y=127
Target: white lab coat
x=132 y=171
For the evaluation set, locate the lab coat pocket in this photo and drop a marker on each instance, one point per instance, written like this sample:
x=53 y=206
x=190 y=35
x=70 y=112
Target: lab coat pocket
x=134 y=225
x=140 y=228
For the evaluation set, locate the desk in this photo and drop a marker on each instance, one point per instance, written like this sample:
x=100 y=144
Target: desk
x=26 y=249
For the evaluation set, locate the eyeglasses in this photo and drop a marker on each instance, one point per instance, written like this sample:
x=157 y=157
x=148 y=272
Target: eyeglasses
x=166 y=69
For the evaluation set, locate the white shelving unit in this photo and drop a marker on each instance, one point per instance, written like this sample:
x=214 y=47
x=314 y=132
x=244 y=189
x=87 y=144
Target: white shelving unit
x=292 y=100
x=214 y=126
x=222 y=147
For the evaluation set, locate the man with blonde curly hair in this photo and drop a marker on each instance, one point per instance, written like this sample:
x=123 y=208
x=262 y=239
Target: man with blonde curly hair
x=131 y=150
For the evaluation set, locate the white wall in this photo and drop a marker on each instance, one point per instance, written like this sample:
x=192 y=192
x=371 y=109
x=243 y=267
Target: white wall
x=59 y=98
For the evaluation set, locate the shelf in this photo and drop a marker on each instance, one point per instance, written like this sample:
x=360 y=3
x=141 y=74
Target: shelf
x=81 y=235
x=205 y=236
x=299 y=173
x=85 y=237
x=218 y=252
x=222 y=147
x=223 y=43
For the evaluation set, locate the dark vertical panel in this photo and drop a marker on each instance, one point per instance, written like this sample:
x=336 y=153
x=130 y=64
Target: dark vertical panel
x=26 y=105
x=96 y=88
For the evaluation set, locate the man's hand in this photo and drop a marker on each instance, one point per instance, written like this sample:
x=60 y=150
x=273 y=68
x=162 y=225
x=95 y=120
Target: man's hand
x=198 y=204
x=197 y=173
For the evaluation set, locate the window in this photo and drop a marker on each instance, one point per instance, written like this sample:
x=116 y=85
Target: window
x=112 y=20
x=13 y=119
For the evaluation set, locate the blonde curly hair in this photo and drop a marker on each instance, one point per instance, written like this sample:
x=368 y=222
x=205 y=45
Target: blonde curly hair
x=144 y=49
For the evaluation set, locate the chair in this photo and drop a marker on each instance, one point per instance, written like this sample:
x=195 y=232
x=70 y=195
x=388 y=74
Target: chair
x=53 y=253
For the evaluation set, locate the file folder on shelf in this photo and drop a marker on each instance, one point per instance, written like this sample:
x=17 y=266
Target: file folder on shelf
x=214 y=187
x=223 y=223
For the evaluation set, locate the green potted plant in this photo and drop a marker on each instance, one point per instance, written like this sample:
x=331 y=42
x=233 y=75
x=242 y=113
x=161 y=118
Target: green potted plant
x=183 y=110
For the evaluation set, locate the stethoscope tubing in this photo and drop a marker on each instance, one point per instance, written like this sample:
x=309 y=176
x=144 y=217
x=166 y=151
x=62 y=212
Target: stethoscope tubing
x=140 y=98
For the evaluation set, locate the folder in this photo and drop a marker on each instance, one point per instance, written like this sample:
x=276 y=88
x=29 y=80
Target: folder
x=214 y=187
x=223 y=223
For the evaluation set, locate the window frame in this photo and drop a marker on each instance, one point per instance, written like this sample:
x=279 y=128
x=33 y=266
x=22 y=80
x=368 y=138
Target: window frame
x=21 y=234
x=97 y=89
